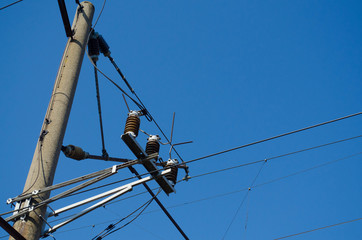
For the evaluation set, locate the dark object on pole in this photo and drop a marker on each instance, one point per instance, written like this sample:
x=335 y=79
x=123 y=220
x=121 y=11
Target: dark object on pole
x=64 y=13
x=9 y=229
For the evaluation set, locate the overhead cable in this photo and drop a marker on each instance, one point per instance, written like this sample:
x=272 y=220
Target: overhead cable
x=257 y=185
x=242 y=202
x=275 y=157
x=93 y=50
x=110 y=229
x=217 y=195
x=275 y=137
x=241 y=165
x=320 y=228
x=100 y=14
x=11 y=4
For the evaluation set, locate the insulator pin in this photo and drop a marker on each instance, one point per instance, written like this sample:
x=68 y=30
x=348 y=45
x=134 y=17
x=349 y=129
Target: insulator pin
x=132 y=124
x=74 y=152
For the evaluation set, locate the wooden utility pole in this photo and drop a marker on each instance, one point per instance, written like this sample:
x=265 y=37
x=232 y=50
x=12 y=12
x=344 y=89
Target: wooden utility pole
x=45 y=159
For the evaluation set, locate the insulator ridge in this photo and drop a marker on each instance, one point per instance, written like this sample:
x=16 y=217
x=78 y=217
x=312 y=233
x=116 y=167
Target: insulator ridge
x=172 y=175
x=152 y=147
x=132 y=125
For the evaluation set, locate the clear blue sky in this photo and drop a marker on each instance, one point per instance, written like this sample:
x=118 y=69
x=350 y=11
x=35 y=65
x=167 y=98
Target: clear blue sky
x=234 y=72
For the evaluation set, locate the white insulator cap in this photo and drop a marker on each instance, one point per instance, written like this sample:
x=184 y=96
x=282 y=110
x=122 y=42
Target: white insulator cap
x=134 y=113
x=153 y=138
x=172 y=162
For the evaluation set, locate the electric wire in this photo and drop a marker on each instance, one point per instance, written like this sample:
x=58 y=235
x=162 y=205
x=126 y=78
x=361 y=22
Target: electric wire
x=218 y=195
x=275 y=137
x=111 y=226
x=110 y=229
x=99 y=15
x=139 y=103
x=208 y=173
x=232 y=192
x=242 y=202
x=126 y=224
x=275 y=157
x=104 y=151
x=116 y=85
x=259 y=185
x=320 y=228
x=11 y=4
x=237 y=166
x=94 y=65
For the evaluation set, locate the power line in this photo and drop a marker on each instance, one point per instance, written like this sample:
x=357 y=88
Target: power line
x=261 y=184
x=316 y=229
x=275 y=157
x=212 y=172
x=229 y=193
x=11 y=4
x=100 y=13
x=225 y=169
x=222 y=194
x=242 y=202
x=104 y=151
x=275 y=137
x=110 y=229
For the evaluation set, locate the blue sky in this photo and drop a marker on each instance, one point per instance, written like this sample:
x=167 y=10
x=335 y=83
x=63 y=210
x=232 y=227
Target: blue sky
x=234 y=72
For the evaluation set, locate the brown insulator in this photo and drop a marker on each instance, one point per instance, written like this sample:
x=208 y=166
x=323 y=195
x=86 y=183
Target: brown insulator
x=75 y=152
x=172 y=176
x=132 y=125
x=152 y=147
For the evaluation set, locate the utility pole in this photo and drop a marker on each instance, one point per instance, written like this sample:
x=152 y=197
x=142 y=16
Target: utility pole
x=45 y=159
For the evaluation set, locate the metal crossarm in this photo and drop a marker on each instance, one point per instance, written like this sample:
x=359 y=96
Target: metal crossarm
x=150 y=166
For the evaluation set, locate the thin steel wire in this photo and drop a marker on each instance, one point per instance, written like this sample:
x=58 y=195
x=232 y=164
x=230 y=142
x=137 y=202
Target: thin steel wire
x=104 y=151
x=218 y=195
x=10 y=4
x=241 y=165
x=208 y=173
x=320 y=228
x=275 y=137
x=242 y=202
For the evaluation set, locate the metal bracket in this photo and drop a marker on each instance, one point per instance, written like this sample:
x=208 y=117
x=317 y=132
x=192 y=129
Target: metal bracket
x=17 y=211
